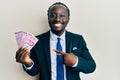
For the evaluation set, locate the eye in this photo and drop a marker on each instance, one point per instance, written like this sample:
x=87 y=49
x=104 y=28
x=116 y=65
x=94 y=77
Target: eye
x=52 y=16
x=62 y=15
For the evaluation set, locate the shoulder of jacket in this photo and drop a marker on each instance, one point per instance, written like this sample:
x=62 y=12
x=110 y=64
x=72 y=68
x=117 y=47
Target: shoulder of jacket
x=74 y=34
x=46 y=34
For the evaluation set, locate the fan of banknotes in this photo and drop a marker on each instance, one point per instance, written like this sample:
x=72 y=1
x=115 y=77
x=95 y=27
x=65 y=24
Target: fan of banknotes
x=25 y=39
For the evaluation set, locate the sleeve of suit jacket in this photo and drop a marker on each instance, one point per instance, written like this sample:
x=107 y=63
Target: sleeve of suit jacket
x=86 y=63
x=34 y=70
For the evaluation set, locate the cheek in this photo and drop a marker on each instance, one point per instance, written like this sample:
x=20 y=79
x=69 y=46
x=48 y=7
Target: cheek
x=50 y=20
x=65 y=21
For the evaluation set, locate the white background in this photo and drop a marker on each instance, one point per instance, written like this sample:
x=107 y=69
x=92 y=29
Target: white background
x=97 y=20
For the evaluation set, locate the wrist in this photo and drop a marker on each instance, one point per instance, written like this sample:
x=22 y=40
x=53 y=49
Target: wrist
x=28 y=64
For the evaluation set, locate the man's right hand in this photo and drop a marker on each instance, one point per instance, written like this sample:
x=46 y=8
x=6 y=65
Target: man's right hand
x=23 y=56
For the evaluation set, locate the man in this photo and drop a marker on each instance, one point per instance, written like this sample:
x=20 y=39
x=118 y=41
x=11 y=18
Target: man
x=74 y=56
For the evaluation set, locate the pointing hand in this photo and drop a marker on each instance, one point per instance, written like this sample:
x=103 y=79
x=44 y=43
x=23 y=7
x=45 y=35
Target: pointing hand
x=69 y=59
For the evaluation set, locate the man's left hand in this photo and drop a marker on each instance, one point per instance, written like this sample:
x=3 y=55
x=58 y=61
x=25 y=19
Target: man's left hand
x=69 y=59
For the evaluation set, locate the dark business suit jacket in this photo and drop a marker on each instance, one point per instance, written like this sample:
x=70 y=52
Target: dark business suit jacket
x=75 y=43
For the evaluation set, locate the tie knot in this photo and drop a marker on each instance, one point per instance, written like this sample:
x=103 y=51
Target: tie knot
x=59 y=47
x=58 y=39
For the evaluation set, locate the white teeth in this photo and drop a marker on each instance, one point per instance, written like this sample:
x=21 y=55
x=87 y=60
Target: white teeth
x=58 y=24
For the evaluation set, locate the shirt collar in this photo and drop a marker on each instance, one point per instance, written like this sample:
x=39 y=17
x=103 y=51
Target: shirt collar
x=54 y=36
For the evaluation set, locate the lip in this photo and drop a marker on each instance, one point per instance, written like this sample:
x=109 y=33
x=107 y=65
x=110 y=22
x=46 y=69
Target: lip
x=57 y=24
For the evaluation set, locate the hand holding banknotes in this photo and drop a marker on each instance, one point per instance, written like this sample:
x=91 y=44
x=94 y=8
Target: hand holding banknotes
x=23 y=56
x=26 y=41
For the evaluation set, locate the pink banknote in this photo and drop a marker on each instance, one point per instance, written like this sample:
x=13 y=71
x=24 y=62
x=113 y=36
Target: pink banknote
x=25 y=39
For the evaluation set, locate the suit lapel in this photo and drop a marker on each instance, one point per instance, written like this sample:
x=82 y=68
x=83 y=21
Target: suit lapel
x=68 y=42
x=47 y=50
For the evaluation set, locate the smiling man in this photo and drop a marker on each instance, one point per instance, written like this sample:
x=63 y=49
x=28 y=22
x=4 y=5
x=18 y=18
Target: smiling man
x=59 y=54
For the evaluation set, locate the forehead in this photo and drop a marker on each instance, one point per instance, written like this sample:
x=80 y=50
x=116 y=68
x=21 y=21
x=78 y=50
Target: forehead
x=58 y=7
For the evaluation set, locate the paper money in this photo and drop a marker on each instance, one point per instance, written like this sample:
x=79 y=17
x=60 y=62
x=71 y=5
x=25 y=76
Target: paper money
x=25 y=39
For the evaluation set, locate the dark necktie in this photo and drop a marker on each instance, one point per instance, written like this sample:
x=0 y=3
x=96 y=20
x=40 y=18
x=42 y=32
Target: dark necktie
x=60 y=69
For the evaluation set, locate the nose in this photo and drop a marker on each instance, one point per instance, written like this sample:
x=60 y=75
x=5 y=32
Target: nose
x=57 y=19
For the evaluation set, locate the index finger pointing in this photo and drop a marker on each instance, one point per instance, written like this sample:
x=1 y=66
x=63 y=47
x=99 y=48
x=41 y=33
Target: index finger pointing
x=57 y=51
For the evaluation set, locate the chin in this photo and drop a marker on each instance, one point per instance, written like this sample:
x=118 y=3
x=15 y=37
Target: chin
x=57 y=32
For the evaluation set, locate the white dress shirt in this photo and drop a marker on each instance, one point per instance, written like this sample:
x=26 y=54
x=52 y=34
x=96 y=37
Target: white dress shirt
x=53 y=43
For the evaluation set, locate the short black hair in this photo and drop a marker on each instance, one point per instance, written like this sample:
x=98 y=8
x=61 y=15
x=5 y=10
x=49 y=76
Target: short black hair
x=58 y=3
